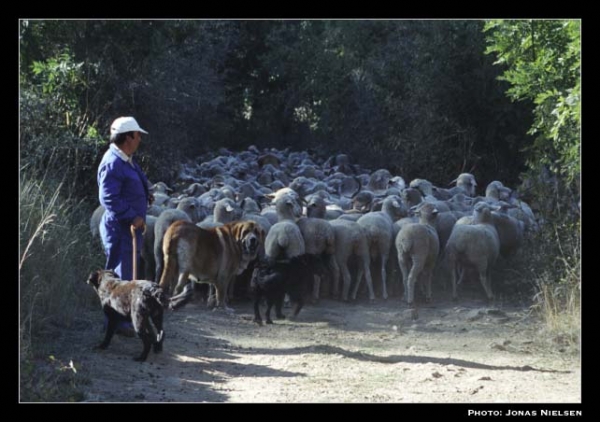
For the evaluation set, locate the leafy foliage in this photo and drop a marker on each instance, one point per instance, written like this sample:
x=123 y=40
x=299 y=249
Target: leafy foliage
x=542 y=61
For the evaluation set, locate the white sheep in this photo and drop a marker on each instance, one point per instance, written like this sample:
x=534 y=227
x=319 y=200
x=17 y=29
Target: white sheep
x=378 y=226
x=418 y=246
x=284 y=241
x=476 y=245
x=465 y=183
x=95 y=221
x=164 y=220
x=319 y=241
x=351 y=240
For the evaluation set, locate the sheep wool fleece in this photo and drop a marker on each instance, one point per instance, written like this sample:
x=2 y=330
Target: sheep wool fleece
x=123 y=191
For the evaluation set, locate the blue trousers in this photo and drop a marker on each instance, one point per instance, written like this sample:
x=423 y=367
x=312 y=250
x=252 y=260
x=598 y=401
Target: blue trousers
x=118 y=247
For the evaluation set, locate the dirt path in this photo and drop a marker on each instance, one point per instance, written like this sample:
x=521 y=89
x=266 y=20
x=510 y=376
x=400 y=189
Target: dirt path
x=335 y=352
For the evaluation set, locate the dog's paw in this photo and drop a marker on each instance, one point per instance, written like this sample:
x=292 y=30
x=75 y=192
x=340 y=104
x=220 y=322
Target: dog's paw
x=269 y=321
x=158 y=348
x=139 y=358
x=258 y=321
x=101 y=346
x=280 y=316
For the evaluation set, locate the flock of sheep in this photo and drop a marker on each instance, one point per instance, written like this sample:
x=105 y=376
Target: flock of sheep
x=338 y=213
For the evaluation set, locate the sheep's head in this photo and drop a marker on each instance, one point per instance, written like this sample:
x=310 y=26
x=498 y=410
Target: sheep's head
x=426 y=211
x=467 y=182
x=482 y=213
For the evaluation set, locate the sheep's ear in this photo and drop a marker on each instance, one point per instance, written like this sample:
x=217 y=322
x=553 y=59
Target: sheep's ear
x=452 y=182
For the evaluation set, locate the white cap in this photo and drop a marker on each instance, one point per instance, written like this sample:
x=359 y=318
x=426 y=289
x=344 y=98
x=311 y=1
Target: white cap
x=124 y=125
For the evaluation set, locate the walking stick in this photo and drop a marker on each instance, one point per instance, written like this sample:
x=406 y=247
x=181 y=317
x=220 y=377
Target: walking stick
x=134 y=253
x=132 y=229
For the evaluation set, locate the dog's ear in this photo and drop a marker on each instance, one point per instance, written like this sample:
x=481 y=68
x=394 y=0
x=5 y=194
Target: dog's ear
x=261 y=233
x=237 y=230
x=93 y=279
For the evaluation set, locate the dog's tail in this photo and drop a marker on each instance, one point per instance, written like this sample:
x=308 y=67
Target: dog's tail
x=170 y=267
x=182 y=298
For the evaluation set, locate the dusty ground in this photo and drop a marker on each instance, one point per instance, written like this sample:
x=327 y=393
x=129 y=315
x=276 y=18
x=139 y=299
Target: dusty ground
x=465 y=351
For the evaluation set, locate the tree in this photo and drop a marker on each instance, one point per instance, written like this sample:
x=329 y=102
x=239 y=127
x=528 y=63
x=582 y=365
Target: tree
x=542 y=62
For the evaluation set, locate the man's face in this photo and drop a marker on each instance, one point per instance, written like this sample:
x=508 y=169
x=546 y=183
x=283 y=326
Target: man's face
x=134 y=141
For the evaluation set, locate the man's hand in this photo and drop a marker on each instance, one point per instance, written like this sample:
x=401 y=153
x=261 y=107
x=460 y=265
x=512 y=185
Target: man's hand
x=151 y=199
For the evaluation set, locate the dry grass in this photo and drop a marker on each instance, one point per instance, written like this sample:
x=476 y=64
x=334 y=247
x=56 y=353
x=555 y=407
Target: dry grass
x=55 y=258
x=558 y=298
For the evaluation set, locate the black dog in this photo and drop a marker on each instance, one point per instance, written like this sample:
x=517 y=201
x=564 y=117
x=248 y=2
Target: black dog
x=273 y=279
x=137 y=301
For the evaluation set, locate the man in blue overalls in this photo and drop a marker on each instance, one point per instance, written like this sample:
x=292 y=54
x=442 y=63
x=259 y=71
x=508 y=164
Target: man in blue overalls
x=124 y=191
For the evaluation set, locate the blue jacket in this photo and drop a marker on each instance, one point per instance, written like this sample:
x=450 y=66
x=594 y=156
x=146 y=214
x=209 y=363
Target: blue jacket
x=123 y=189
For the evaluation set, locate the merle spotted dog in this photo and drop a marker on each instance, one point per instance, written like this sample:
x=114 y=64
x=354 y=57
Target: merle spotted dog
x=138 y=301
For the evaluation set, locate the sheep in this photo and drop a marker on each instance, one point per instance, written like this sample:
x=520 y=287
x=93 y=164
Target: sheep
x=418 y=246
x=164 y=220
x=284 y=241
x=251 y=211
x=95 y=221
x=317 y=208
x=379 y=228
x=349 y=186
x=341 y=163
x=379 y=180
x=459 y=202
x=510 y=230
x=423 y=186
x=195 y=189
x=363 y=201
x=411 y=197
x=350 y=240
x=270 y=159
x=226 y=211
x=319 y=242
x=465 y=183
x=154 y=210
x=350 y=216
x=475 y=245
x=161 y=187
x=287 y=206
x=270 y=213
x=161 y=198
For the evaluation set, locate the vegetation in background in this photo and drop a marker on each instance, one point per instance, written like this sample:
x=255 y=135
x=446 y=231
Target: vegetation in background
x=542 y=62
x=55 y=258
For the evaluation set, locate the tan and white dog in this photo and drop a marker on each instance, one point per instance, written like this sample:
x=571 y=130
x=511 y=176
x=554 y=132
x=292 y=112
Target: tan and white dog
x=213 y=256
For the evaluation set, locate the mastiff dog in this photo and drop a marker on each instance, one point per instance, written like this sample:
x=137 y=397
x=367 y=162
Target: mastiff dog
x=213 y=256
